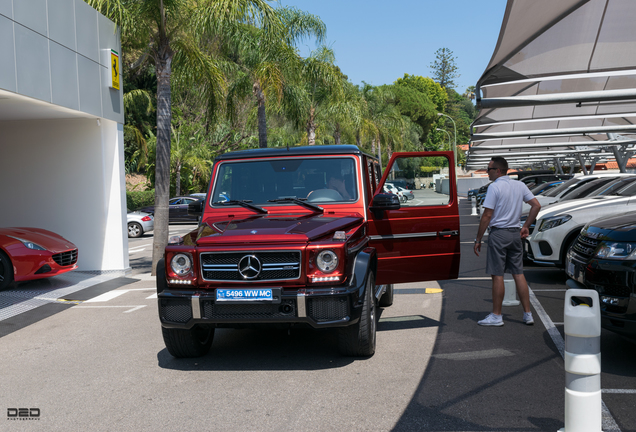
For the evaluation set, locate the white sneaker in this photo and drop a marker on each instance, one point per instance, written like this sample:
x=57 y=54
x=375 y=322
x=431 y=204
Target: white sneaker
x=492 y=320
x=527 y=318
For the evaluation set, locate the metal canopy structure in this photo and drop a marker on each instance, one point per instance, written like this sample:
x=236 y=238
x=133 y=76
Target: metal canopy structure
x=560 y=87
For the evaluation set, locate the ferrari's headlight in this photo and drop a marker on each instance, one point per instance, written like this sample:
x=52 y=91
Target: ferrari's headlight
x=29 y=244
x=181 y=264
x=553 y=222
x=616 y=250
x=327 y=261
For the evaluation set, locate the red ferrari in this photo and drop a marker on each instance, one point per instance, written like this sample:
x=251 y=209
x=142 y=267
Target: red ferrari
x=33 y=253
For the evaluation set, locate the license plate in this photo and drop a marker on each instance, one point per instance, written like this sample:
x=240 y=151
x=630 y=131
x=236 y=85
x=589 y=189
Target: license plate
x=254 y=294
x=570 y=270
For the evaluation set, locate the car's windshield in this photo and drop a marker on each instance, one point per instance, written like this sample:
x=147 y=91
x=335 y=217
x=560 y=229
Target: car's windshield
x=628 y=190
x=563 y=186
x=262 y=181
x=612 y=187
x=587 y=188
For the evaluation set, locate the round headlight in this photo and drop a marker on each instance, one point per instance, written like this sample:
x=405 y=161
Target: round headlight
x=181 y=264
x=327 y=261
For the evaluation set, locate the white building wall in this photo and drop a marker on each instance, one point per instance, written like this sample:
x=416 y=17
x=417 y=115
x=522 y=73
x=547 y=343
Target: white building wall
x=61 y=127
x=55 y=51
x=64 y=176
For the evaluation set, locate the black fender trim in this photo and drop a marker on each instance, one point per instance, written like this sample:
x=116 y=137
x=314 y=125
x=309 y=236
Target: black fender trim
x=366 y=262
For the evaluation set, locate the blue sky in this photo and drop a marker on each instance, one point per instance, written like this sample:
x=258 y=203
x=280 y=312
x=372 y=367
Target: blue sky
x=379 y=41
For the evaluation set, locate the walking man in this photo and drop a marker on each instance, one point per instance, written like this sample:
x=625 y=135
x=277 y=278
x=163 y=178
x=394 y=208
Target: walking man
x=502 y=214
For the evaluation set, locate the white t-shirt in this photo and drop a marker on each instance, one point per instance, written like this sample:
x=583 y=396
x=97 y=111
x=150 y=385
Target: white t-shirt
x=506 y=197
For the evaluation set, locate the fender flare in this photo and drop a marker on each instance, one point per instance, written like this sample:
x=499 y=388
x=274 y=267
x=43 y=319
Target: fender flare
x=366 y=262
x=162 y=283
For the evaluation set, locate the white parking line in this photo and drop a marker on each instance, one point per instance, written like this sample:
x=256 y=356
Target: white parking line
x=132 y=251
x=132 y=308
x=106 y=296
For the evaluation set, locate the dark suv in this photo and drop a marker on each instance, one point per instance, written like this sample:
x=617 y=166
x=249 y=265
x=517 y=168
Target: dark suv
x=604 y=258
x=304 y=237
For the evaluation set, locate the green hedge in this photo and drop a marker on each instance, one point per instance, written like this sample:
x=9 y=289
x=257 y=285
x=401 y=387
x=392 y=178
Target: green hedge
x=138 y=199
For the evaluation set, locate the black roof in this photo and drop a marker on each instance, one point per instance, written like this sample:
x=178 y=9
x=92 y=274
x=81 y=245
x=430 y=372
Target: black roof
x=293 y=151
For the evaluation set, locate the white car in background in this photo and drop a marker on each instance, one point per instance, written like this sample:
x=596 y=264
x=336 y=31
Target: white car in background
x=391 y=188
x=558 y=225
x=406 y=192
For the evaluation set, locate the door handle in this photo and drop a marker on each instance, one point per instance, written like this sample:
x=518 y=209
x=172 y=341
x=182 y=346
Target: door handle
x=448 y=233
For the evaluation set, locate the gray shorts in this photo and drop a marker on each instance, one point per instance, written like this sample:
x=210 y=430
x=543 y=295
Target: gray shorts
x=505 y=252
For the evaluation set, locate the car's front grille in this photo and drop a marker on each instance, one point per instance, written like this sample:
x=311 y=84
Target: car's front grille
x=327 y=308
x=212 y=310
x=175 y=310
x=585 y=247
x=254 y=265
x=66 y=258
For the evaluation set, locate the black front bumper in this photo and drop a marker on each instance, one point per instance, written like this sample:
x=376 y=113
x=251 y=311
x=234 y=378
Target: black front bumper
x=316 y=307
x=614 y=280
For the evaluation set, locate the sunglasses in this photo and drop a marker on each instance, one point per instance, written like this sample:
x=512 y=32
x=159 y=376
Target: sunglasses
x=493 y=168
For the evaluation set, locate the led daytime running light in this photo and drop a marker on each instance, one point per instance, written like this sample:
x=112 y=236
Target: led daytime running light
x=325 y=278
x=180 y=281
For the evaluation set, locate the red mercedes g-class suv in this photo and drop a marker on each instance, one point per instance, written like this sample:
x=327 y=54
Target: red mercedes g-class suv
x=305 y=236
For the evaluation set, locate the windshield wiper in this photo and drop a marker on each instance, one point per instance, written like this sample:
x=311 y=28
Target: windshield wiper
x=242 y=203
x=300 y=202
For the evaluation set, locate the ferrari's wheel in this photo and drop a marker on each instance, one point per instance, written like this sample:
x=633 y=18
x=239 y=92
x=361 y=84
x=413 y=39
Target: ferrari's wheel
x=135 y=230
x=359 y=339
x=6 y=271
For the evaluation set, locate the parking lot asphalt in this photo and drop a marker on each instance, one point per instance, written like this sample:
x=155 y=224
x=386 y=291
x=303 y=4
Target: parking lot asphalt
x=102 y=364
x=511 y=377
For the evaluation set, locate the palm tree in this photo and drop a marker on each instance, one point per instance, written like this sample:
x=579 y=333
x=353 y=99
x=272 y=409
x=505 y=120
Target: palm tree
x=167 y=31
x=318 y=85
x=265 y=66
x=383 y=124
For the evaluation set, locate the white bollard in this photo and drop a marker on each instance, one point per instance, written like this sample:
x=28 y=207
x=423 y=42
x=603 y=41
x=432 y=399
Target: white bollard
x=510 y=294
x=583 y=404
x=473 y=201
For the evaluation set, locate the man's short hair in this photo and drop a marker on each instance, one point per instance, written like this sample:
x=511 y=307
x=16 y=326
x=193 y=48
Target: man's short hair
x=500 y=163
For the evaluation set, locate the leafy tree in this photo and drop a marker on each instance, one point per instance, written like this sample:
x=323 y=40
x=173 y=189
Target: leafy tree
x=344 y=114
x=318 y=85
x=137 y=105
x=444 y=68
x=266 y=64
x=420 y=99
x=172 y=31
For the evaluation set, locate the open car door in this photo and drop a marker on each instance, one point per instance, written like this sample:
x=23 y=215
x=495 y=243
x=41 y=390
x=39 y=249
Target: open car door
x=417 y=240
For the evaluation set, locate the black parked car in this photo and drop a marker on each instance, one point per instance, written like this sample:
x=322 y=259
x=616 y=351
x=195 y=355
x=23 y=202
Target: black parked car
x=604 y=258
x=178 y=209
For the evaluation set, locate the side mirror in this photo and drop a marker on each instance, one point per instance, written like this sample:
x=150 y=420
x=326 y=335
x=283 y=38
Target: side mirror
x=384 y=201
x=195 y=208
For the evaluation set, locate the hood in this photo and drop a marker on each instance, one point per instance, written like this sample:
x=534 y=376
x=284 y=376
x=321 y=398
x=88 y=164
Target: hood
x=274 y=229
x=621 y=227
x=47 y=239
x=569 y=206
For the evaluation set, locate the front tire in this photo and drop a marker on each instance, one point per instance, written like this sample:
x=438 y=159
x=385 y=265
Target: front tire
x=6 y=271
x=359 y=339
x=194 y=342
x=135 y=230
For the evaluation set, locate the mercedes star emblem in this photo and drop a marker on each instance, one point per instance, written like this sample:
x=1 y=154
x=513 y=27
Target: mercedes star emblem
x=249 y=267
